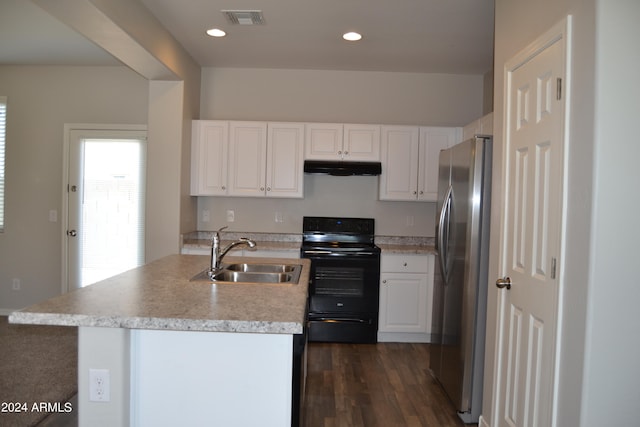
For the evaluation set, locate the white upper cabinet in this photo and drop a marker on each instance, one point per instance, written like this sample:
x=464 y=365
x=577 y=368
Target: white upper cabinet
x=323 y=141
x=209 y=157
x=335 y=141
x=410 y=161
x=266 y=159
x=432 y=141
x=285 y=160
x=399 y=156
x=361 y=143
x=247 y=158
x=482 y=126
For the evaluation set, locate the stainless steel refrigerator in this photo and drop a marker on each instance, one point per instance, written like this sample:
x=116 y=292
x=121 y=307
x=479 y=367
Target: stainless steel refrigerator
x=460 y=286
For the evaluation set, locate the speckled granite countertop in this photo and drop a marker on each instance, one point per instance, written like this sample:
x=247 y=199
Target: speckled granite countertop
x=406 y=245
x=292 y=242
x=265 y=241
x=159 y=295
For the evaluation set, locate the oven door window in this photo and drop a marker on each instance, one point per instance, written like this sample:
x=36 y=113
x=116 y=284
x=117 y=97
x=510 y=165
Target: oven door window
x=339 y=281
x=344 y=285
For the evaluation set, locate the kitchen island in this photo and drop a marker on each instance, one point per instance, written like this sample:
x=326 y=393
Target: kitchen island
x=178 y=352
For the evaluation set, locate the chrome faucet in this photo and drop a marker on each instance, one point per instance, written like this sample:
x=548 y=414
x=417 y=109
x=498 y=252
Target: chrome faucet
x=217 y=254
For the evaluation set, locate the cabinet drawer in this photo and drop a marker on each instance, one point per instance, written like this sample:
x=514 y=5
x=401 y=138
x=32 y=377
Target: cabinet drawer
x=405 y=263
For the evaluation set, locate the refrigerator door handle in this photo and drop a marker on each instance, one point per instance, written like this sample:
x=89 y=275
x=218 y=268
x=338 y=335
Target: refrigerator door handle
x=443 y=234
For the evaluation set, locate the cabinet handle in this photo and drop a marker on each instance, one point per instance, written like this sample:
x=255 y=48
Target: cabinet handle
x=224 y=188
x=339 y=151
x=405 y=264
x=346 y=153
x=261 y=188
x=415 y=192
x=384 y=281
x=421 y=192
x=268 y=188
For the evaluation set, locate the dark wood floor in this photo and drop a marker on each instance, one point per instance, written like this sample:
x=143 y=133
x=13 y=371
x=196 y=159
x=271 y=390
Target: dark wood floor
x=385 y=384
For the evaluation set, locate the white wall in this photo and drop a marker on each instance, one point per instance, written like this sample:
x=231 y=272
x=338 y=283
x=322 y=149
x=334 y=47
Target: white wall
x=354 y=196
x=341 y=96
x=334 y=96
x=40 y=101
x=612 y=350
x=599 y=348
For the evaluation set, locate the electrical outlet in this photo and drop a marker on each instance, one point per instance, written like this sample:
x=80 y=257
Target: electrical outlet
x=206 y=216
x=99 y=385
x=231 y=215
x=15 y=284
x=409 y=221
x=279 y=217
x=53 y=215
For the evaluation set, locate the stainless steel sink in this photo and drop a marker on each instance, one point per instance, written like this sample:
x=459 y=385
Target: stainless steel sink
x=253 y=273
x=261 y=268
x=236 y=276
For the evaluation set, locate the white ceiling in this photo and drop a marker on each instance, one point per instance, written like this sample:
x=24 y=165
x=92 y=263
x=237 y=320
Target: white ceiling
x=426 y=36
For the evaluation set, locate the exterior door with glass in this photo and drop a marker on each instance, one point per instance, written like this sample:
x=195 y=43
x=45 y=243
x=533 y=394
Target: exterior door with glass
x=105 y=204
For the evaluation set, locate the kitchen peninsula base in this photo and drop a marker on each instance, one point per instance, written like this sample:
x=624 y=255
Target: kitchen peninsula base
x=177 y=352
x=168 y=378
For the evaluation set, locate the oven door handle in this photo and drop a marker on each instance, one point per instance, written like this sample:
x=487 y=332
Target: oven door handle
x=339 y=319
x=321 y=252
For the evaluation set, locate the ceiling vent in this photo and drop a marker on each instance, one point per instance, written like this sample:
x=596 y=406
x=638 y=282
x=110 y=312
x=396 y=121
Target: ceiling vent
x=244 y=17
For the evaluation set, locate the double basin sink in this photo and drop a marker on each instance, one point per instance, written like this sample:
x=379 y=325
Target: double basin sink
x=252 y=273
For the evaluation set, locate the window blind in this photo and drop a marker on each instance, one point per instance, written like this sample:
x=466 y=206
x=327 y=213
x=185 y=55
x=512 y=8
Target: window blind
x=3 y=127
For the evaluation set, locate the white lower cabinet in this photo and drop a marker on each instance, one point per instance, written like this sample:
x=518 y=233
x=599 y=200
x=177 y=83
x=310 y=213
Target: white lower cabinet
x=406 y=287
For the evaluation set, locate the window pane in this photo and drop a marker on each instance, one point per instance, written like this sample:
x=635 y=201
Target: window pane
x=112 y=208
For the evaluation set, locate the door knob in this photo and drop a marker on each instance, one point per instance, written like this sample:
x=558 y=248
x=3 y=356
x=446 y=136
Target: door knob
x=72 y=233
x=505 y=282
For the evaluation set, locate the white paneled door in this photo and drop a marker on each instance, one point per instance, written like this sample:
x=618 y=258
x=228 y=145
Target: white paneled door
x=105 y=204
x=532 y=230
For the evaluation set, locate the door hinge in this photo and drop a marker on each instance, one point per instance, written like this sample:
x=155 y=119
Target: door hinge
x=559 y=88
x=553 y=268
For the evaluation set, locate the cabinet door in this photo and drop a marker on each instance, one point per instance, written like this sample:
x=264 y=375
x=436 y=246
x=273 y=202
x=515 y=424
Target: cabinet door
x=403 y=302
x=472 y=129
x=486 y=124
x=285 y=160
x=209 y=144
x=247 y=158
x=323 y=141
x=432 y=140
x=399 y=156
x=361 y=143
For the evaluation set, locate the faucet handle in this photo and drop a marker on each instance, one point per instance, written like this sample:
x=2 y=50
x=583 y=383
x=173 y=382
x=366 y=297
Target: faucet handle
x=216 y=235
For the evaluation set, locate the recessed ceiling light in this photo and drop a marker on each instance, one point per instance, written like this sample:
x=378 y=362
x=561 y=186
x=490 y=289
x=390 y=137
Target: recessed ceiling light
x=216 y=32
x=352 y=36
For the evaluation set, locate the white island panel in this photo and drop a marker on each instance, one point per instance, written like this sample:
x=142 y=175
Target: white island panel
x=205 y=378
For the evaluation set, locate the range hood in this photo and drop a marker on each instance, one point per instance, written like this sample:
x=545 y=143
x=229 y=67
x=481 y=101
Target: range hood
x=342 y=168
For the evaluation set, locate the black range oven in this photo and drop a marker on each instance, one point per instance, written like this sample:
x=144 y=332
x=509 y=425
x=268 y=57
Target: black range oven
x=344 y=280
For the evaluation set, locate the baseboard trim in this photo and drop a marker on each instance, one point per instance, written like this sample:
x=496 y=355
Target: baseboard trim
x=482 y=422
x=404 y=337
